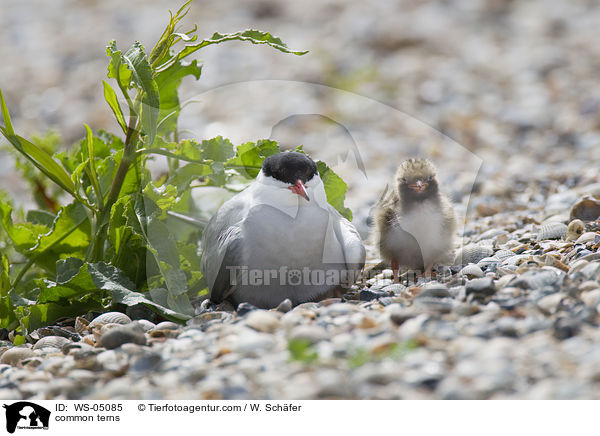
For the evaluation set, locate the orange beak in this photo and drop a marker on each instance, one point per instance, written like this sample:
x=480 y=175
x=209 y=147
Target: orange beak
x=419 y=186
x=299 y=189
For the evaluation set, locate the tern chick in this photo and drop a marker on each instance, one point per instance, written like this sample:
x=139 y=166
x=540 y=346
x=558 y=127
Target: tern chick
x=280 y=238
x=414 y=221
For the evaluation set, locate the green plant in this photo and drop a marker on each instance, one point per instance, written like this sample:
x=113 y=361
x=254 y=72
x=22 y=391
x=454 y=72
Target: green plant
x=101 y=237
x=302 y=350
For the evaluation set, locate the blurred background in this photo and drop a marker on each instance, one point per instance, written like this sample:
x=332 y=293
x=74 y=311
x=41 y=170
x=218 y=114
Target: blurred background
x=505 y=91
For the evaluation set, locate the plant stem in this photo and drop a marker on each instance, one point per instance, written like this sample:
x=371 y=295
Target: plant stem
x=129 y=156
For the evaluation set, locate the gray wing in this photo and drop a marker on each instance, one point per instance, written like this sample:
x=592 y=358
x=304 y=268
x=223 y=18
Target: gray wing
x=347 y=235
x=222 y=249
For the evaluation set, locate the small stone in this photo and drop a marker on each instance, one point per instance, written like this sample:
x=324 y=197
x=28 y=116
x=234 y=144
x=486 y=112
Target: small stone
x=591 y=298
x=395 y=288
x=369 y=294
x=466 y=309
x=117 y=336
x=549 y=303
x=399 y=314
x=480 y=287
x=285 y=306
x=263 y=321
x=309 y=333
x=565 y=328
x=244 y=308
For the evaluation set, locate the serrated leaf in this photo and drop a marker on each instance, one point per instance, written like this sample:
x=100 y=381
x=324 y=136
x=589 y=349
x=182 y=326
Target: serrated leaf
x=335 y=188
x=217 y=149
x=250 y=35
x=40 y=315
x=182 y=177
x=117 y=69
x=142 y=76
x=249 y=156
x=69 y=236
x=111 y=98
x=122 y=291
x=41 y=217
x=73 y=281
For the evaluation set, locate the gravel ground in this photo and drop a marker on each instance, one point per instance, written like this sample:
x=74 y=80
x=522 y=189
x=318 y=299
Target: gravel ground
x=501 y=95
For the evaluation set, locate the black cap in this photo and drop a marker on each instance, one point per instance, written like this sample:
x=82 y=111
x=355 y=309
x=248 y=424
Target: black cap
x=289 y=167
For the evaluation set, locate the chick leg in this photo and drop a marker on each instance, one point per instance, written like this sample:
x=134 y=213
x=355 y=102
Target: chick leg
x=428 y=270
x=395 y=268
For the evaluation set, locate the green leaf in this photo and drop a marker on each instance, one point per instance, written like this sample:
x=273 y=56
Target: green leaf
x=168 y=82
x=142 y=76
x=122 y=291
x=42 y=160
x=41 y=217
x=70 y=236
x=182 y=177
x=250 y=35
x=302 y=351
x=249 y=156
x=72 y=281
x=117 y=69
x=40 y=315
x=335 y=188
x=169 y=37
x=92 y=167
x=23 y=235
x=6 y=116
x=111 y=98
x=218 y=149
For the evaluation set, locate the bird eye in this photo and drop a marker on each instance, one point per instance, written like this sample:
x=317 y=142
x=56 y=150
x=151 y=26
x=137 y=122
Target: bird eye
x=403 y=180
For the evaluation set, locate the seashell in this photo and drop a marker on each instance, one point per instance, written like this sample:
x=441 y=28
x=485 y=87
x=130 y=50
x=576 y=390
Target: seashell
x=89 y=339
x=81 y=324
x=586 y=238
x=110 y=318
x=586 y=209
x=204 y=320
x=471 y=271
x=503 y=254
x=574 y=230
x=472 y=253
x=14 y=356
x=145 y=324
x=491 y=234
x=552 y=230
x=51 y=341
x=167 y=325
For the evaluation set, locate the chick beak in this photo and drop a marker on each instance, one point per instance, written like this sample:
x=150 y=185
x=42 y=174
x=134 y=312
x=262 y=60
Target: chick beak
x=299 y=189
x=419 y=186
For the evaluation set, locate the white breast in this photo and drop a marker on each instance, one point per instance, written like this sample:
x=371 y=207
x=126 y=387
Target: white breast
x=424 y=222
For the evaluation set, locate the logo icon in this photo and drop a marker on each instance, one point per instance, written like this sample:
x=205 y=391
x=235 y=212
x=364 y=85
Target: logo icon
x=26 y=415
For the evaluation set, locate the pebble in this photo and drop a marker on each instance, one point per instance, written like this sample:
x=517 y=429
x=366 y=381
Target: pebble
x=117 y=336
x=263 y=321
x=480 y=287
